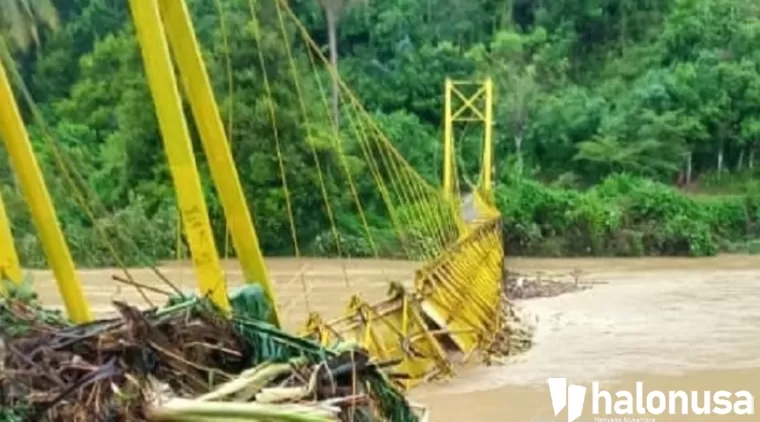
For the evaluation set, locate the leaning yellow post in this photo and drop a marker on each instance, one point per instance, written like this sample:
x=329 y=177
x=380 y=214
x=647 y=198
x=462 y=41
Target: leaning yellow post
x=35 y=192
x=10 y=268
x=448 y=143
x=179 y=150
x=181 y=37
x=487 y=164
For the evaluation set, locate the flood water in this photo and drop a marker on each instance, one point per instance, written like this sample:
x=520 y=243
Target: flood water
x=673 y=324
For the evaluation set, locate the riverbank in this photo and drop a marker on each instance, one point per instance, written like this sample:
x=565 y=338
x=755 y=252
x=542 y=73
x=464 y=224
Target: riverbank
x=621 y=216
x=625 y=216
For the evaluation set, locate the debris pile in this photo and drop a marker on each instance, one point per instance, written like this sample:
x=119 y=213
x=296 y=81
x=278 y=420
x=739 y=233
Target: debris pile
x=514 y=337
x=523 y=286
x=517 y=333
x=185 y=361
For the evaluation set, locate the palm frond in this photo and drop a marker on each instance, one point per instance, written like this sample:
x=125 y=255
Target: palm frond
x=20 y=20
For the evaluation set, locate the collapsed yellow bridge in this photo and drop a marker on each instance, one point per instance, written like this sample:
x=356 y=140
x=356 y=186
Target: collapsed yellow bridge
x=456 y=295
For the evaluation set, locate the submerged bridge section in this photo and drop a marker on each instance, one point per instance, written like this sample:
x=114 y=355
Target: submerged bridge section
x=456 y=294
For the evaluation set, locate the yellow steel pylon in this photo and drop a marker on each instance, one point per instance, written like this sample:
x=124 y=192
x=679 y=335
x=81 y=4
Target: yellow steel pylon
x=476 y=107
x=35 y=192
x=179 y=150
x=181 y=37
x=9 y=263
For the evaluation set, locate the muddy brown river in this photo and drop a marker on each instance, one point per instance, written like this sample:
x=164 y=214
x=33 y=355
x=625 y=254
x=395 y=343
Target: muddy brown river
x=672 y=324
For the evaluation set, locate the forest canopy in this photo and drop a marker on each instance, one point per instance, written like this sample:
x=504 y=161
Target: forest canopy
x=621 y=127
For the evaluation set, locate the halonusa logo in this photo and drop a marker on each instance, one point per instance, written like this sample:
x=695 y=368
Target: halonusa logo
x=623 y=403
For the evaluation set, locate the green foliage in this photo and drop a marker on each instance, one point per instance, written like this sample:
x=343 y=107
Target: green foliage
x=660 y=90
x=13 y=325
x=622 y=216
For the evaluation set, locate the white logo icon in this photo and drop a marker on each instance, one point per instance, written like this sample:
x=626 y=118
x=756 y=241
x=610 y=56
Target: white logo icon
x=563 y=396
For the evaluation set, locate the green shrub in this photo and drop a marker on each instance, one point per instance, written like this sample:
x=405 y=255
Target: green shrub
x=622 y=216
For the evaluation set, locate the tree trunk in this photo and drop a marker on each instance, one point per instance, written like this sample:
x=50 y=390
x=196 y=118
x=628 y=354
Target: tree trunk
x=332 y=36
x=740 y=161
x=751 y=157
x=518 y=151
x=689 y=167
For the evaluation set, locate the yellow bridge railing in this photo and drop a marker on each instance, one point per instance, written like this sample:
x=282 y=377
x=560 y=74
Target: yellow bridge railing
x=456 y=297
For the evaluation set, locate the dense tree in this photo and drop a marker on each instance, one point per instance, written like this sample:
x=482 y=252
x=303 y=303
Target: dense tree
x=662 y=90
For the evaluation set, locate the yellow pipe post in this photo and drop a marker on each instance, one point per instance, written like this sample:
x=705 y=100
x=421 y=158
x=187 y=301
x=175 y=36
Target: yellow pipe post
x=488 y=142
x=35 y=192
x=179 y=150
x=10 y=269
x=448 y=143
x=182 y=39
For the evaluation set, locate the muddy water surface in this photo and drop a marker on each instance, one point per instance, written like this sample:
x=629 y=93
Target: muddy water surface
x=678 y=324
x=673 y=324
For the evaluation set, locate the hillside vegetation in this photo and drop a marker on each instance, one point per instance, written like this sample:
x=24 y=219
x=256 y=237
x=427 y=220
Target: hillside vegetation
x=602 y=107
